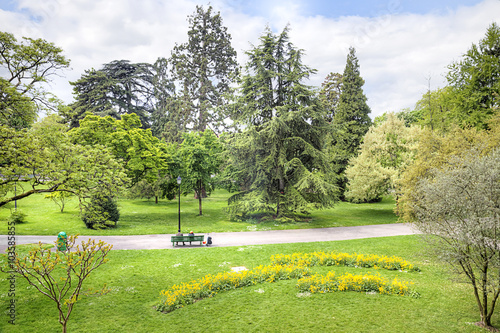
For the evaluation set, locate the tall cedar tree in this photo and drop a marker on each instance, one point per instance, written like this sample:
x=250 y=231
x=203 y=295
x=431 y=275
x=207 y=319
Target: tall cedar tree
x=205 y=67
x=278 y=158
x=120 y=87
x=351 y=120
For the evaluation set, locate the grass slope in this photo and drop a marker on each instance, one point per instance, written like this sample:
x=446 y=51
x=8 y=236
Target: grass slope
x=142 y=217
x=136 y=278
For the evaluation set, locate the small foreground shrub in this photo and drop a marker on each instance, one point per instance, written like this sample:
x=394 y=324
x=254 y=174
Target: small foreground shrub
x=16 y=217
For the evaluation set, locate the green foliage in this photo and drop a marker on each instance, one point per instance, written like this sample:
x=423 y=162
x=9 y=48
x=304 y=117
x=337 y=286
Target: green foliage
x=434 y=151
x=351 y=120
x=119 y=88
x=24 y=66
x=166 y=120
x=475 y=82
x=102 y=212
x=434 y=110
x=329 y=94
x=59 y=198
x=142 y=155
x=386 y=151
x=43 y=160
x=200 y=156
x=205 y=66
x=16 y=217
x=277 y=161
x=142 y=189
x=460 y=207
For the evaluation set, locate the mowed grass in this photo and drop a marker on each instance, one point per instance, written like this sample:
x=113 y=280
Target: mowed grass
x=136 y=278
x=142 y=217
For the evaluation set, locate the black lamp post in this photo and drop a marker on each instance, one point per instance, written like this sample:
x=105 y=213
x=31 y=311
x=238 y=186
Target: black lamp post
x=179 y=179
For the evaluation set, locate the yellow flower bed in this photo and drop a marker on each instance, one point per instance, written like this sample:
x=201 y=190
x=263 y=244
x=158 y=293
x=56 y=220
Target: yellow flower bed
x=295 y=266
x=350 y=282
x=186 y=293
x=344 y=259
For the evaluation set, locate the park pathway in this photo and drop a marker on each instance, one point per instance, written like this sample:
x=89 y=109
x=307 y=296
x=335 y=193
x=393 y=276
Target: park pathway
x=162 y=241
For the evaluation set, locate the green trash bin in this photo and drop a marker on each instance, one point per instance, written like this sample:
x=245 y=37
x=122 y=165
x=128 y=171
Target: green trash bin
x=62 y=241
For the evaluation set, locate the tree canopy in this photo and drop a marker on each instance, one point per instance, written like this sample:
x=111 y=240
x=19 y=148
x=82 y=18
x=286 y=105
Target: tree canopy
x=200 y=158
x=204 y=66
x=119 y=88
x=24 y=66
x=434 y=150
x=459 y=206
x=475 y=81
x=279 y=157
x=351 y=120
x=329 y=94
x=387 y=149
x=142 y=155
x=43 y=160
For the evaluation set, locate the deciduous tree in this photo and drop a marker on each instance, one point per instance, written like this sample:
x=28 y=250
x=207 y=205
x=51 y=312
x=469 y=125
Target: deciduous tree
x=387 y=149
x=25 y=65
x=434 y=151
x=200 y=156
x=59 y=276
x=459 y=207
x=43 y=160
x=142 y=155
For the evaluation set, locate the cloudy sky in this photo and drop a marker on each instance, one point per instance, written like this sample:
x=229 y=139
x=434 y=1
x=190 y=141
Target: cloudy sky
x=400 y=44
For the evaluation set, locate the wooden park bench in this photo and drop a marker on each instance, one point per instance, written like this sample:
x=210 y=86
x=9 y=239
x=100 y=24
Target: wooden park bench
x=177 y=239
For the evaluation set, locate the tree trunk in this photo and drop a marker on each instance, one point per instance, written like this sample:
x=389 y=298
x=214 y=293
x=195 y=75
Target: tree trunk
x=281 y=190
x=156 y=199
x=200 y=195
x=199 y=204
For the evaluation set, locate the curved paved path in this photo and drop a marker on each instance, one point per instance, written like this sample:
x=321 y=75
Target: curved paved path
x=162 y=241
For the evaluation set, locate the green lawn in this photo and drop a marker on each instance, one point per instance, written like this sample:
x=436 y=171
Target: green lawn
x=136 y=278
x=141 y=217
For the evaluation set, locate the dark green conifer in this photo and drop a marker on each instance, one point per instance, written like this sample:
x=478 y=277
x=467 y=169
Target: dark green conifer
x=351 y=120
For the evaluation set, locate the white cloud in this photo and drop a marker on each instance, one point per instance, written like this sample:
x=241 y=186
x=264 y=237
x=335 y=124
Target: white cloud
x=396 y=51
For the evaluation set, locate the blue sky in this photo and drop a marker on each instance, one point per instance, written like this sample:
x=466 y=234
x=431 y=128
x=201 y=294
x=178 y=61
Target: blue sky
x=400 y=44
x=365 y=8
